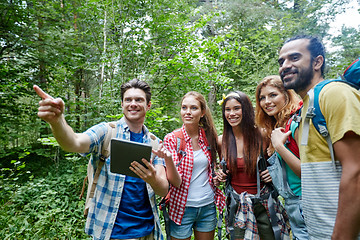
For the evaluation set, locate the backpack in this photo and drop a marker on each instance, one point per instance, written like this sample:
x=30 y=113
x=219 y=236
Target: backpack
x=91 y=177
x=351 y=77
x=291 y=125
x=164 y=203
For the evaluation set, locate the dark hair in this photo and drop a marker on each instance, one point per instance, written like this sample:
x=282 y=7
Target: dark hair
x=206 y=122
x=136 y=83
x=315 y=47
x=252 y=136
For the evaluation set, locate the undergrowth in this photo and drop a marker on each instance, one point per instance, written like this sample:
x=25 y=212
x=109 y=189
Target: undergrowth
x=40 y=200
x=45 y=207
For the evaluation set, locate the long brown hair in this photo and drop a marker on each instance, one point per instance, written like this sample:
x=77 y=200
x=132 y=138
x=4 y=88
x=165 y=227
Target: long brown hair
x=207 y=123
x=252 y=136
x=268 y=123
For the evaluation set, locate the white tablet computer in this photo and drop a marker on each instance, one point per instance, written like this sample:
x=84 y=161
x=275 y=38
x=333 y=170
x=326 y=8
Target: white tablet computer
x=124 y=152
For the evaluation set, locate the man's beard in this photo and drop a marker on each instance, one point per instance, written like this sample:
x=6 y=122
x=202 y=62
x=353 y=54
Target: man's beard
x=302 y=81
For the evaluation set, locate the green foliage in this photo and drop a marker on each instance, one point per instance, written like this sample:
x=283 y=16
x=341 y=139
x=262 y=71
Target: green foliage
x=347 y=50
x=82 y=51
x=48 y=207
x=159 y=123
x=13 y=173
x=50 y=141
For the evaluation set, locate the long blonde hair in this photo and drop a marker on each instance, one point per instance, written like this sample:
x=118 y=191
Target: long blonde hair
x=206 y=122
x=292 y=103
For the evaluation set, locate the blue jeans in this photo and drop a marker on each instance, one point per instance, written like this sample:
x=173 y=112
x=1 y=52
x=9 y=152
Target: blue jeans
x=202 y=219
x=293 y=204
x=293 y=207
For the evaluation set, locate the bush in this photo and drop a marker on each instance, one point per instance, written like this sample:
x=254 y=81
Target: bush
x=46 y=207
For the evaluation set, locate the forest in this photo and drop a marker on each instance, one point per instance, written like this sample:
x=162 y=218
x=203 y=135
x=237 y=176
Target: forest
x=82 y=51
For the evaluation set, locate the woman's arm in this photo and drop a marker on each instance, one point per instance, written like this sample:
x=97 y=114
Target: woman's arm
x=278 y=138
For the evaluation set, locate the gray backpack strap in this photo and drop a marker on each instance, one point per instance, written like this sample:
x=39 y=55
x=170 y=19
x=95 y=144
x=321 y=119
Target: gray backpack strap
x=309 y=115
x=272 y=212
x=328 y=140
x=178 y=144
x=273 y=218
x=232 y=203
x=257 y=179
x=325 y=133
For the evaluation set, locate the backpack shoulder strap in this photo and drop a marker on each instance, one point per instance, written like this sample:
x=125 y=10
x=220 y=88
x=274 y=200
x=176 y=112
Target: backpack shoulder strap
x=111 y=133
x=260 y=166
x=288 y=124
x=319 y=121
x=309 y=115
x=314 y=113
x=105 y=153
x=180 y=144
x=292 y=124
x=180 y=140
x=352 y=78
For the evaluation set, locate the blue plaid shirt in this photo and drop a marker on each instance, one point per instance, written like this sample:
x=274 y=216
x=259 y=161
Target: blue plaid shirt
x=105 y=204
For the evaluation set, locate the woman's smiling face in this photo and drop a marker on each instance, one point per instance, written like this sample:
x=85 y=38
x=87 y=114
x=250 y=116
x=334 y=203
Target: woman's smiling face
x=233 y=112
x=271 y=100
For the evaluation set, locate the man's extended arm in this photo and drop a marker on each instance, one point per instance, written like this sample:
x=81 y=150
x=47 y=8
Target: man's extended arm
x=347 y=224
x=51 y=110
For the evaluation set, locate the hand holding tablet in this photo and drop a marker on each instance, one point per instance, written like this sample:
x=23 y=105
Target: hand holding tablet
x=124 y=152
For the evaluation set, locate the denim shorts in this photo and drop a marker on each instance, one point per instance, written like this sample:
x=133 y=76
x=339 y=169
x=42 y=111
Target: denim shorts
x=202 y=219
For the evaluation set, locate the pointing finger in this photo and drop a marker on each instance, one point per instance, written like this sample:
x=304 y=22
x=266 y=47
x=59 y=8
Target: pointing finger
x=41 y=93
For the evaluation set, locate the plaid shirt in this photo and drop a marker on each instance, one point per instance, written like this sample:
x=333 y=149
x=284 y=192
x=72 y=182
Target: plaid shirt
x=178 y=196
x=105 y=204
x=245 y=218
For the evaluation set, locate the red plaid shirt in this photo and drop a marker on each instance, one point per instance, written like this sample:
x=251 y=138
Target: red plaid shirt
x=178 y=196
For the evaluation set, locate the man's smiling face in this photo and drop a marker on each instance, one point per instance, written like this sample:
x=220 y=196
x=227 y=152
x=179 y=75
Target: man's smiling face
x=296 y=70
x=134 y=105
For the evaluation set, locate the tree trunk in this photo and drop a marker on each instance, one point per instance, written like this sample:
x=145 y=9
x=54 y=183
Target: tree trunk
x=102 y=78
x=42 y=68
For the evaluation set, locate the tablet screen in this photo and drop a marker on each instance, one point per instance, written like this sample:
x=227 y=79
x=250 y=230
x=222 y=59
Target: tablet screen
x=124 y=152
